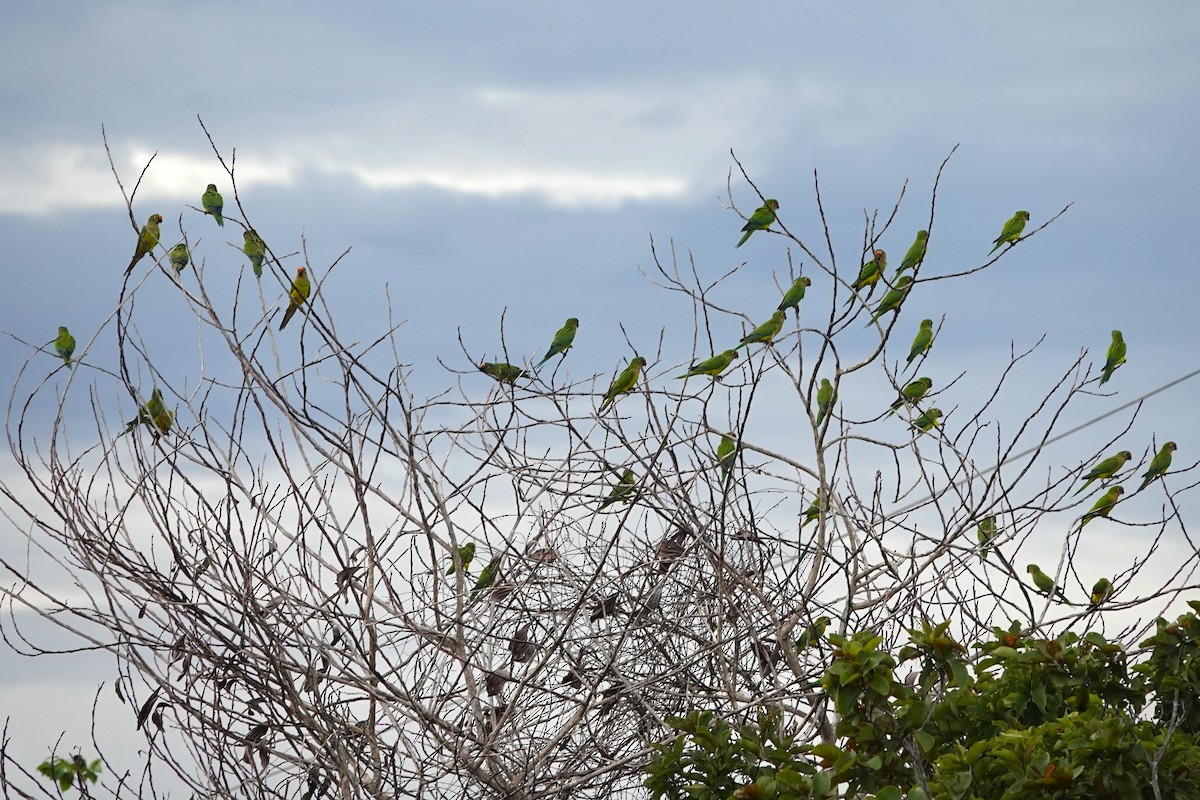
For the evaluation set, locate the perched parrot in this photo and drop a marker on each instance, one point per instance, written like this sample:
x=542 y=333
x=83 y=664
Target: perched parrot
x=213 y=203
x=256 y=249
x=985 y=533
x=622 y=489
x=826 y=397
x=915 y=254
x=892 y=300
x=623 y=383
x=1105 y=469
x=505 y=373
x=1012 y=230
x=1103 y=506
x=922 y=342
x=1115 y=357
x=1158 y=465
x=299 y=294
x=812 y=633
x=764 y=333
x=465 y=553
x=179 y=257
x=912 y=393
x=147 y=240
x=711 y=366
x=726 y=454
x=870 y=274
x=64 y=345
x=562 y=341
x=813 y=511
x=927 y=420
x=153 y=413
x=487 y=577
x=761 y=219
x=1101 y=591
x=794 y=294
x=1043 y=582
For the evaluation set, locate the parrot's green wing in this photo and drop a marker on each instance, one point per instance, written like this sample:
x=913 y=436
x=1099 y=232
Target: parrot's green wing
x=255 y=249
x=825 y=400
x=465 y=553
x=1158 y=465
x=622 y=490
x=870 y=273
x=153 y=413
x=562 y=341
x=985 y=533
x=213 y=203
x=1011 y=230
x=915 y=254
x=726 y=454
x=486 y=578
x=1043 y=582
x=892 y=300
x=179 y=256
x=64 y=345
x=766 y=332
x=501 y=371
x=912 y=393
x=813 y=511
x=927 y=420
x=1103 y=506
x=147 y=240
x=711 y=366
x=1114 y=358
x=298 y=295
x=761 y=219
x=623 y=382
x=922 y=341
x=1105 y=469
x=1101 y=591
x=794 y=294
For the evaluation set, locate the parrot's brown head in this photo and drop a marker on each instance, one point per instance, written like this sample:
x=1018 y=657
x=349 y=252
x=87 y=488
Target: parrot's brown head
x=156 y=218
x=922 y=234
x=641 y=362
x=772 y=203
x=806 y=281
x=1169 y=446
x=880 y=256
x=1023 y=215
x=300 y=271
x=212 y=187
x=573 y=322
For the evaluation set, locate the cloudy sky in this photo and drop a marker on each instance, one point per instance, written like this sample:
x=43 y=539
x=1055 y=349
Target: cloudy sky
x=488 y=157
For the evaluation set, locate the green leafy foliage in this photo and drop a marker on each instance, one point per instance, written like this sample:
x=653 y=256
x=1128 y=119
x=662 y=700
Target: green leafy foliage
x=68 y=772
x=1026 y=717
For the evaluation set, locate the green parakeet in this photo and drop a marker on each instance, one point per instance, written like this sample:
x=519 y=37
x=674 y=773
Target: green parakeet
x=764 y=333
x=927 y=420
x=826 y=397
x=794 y=294
x=922 y=341
x=1158 y=465
x=1011 y=231
x=1101 y=591
x=487 y=577
x=623 y=383
x=1043 y=582
x=812 y=633
x=711 y=366
x=298 y=296
x=147 y=240
x=1103 y=506
x=622 y=490
x=726 y=454
x=64 y=345
x=562 y=341
x=1115 y=357
x=813 y=511
x=1105 y=469
x=179 y=257
x=466 y=552
x=915 y=254
x=892 y=300
x=153 y=413
x=255 y=249
x=213 y=203
x=505 y=373
x=912 y=393
x=870 y=274
x=985 y=533
x=761 y=219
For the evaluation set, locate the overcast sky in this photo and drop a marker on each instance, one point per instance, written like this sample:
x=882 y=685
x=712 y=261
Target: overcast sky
x=481 y=157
